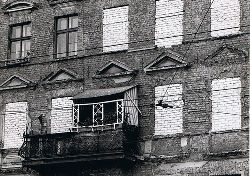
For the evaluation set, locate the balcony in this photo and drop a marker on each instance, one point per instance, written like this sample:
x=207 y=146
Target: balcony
x=104 y=126
x=108 y=143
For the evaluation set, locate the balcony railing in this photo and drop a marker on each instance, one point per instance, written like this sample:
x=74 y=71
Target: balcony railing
x=67 y=147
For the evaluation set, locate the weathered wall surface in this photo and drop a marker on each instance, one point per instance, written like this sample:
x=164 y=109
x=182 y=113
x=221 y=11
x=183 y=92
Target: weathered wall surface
x=209 y=58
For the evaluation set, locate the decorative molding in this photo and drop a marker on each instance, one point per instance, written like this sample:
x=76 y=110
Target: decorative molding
x=16 y=62
x=62 y=75
x=166 y=60
x=55 y=2
x=116 y=70
x=19 y=6
x=15 y=82
x=230 y=49
x=119 y=69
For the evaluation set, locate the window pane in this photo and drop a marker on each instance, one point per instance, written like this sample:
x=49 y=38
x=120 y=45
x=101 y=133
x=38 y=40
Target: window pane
x=86 y=115
x=61 y=45
x=26 y=30
x=62 y=23
x=16 y=32
x=25 y=47
x=72 y=43
x=15 y=50
x=73 y=22
x=110 y=113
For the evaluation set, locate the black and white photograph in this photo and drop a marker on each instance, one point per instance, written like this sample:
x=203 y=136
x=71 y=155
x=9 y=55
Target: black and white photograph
x=124 y=87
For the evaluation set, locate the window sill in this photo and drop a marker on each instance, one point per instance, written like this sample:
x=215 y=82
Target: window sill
x=66 y=58
x=229 y=131
x=234 y=153
x=16 y=62
x=116 y=51
x=214 y=38
x=54 y=2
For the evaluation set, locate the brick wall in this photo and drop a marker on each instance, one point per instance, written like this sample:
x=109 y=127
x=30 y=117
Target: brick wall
x=15 y=124
x=207 y=64
x=169 y=26
x=225 y=17
x=115 y=29
x=169 y=120
x=61 y=115
x=226 y=104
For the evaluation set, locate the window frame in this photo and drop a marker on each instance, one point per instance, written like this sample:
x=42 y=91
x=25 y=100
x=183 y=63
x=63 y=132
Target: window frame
x=66 y=31
x=21 y=39
x=119 y=112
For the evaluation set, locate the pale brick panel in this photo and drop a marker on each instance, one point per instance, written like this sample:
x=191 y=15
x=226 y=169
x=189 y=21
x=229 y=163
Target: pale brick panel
x=225 y=17
x=61 y=115
x=169 y=120
x=115 y=29
x=15 y=124
x=226 y=104
x=169 y=22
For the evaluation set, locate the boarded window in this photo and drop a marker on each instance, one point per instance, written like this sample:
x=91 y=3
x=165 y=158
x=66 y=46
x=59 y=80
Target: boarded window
x=115 y=29
x=226 y=104
x=225 y=17
x=168 y=120
x=169 y=19
x=61 y=115
x=15 y=124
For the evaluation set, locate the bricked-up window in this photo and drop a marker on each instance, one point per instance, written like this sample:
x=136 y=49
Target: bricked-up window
x=225 y=17
x=168 y=120
x=15 y=121
x=226 y=104
x=66 y=36
x=168 y=21
x=61 y=115
x=115 y=29
x=20 y=41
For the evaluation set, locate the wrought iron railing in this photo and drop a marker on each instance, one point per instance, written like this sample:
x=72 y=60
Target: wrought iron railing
x=76 y=144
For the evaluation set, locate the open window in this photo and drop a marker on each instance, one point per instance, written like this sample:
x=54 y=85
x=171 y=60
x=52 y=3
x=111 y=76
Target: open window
x=102 y=107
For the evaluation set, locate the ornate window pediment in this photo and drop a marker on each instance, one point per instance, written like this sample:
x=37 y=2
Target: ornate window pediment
x=116 y=70
x=226 y=54
x=19 y=6
x=15 y=82
x=61 y=76
x=165 y=61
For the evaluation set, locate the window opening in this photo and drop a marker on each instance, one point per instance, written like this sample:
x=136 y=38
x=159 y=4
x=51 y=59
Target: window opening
x=20 y=41
x=66 y=36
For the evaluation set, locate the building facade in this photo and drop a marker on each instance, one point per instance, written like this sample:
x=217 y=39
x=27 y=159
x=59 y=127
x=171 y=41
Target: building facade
x=124 y=87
